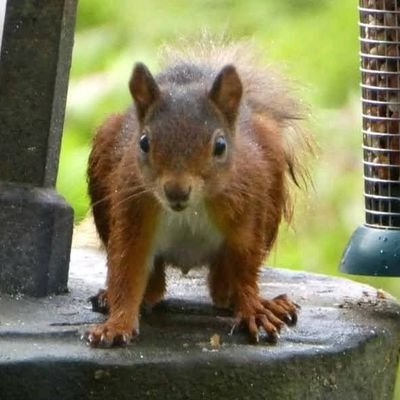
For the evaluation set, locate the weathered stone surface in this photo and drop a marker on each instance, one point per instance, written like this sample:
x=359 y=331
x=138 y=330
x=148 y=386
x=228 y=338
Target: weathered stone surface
x=35 y=240
x=345 y=345
x=34 y=68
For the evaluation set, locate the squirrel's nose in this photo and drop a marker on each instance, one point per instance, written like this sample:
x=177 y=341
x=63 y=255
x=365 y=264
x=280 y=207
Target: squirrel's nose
x=177 y=193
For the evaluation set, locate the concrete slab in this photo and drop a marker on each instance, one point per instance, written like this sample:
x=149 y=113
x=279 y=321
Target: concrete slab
x=345 y=345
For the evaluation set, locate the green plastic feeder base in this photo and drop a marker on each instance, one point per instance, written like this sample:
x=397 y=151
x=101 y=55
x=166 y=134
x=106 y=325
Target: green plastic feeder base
x=372 y=251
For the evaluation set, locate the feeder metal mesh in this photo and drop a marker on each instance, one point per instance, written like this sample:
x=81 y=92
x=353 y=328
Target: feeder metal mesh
x=380 y=67
x=374 y=248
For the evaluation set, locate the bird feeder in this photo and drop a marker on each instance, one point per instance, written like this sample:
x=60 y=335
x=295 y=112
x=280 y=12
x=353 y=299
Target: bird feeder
x=374 y=248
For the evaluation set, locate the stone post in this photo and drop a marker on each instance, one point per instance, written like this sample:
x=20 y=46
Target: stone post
x=35 y=221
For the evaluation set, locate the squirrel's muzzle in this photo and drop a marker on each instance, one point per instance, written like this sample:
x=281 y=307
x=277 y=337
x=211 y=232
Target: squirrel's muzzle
x=177 y=194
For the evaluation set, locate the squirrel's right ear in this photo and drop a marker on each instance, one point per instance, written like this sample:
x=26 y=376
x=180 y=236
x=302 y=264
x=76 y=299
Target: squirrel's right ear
x=143 y=88
x=226 y=92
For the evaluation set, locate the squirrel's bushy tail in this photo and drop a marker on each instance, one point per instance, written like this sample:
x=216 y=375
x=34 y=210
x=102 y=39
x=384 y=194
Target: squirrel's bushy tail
x=266 y=92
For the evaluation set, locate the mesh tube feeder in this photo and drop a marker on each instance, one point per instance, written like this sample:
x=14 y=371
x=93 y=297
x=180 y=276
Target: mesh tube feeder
x=374 y=248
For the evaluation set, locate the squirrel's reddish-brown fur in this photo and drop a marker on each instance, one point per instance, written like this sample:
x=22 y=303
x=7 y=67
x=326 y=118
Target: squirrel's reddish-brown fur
x=196 y=172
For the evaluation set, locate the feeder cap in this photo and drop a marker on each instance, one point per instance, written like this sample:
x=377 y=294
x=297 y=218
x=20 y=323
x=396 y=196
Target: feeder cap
x=372 y=251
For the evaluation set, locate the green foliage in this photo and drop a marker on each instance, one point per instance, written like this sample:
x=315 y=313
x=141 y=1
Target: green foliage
x=71 y=178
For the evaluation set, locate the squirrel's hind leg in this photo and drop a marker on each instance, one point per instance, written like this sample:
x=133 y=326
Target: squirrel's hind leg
x=156 y=285
x=99 y=302
x=220 y=284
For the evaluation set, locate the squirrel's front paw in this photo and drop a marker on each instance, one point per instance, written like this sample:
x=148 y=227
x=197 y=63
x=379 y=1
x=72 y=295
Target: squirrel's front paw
x=283 y=308
x=110 y=334
x=270 y=315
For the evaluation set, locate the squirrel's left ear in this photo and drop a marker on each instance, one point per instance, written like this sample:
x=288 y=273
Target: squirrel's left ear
x=226 y=92
x=143 y=88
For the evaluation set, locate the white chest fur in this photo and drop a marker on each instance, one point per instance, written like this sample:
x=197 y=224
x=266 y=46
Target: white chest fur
x=186 y=239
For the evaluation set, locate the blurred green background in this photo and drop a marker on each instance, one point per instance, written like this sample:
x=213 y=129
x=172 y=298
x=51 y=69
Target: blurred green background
x=315 y=42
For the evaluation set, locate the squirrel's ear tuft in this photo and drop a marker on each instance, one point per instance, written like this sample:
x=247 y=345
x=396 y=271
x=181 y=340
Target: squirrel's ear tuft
x=226 y=92
x=143 y=88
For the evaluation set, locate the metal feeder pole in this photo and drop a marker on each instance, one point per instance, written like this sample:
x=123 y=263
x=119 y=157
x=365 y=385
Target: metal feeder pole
x=374 y=248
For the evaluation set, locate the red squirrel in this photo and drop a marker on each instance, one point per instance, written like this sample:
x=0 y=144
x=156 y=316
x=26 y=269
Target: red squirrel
x=195 y=173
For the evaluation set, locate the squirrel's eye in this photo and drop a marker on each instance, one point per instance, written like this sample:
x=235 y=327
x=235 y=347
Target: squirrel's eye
x=144 y=144
x=219 y=146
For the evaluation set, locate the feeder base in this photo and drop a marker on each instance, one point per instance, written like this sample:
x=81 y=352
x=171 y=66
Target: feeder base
x=345 y=345
x=372 y=251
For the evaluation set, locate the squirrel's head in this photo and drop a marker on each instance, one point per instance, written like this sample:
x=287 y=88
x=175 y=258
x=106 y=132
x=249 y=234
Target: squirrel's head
x=186 y=138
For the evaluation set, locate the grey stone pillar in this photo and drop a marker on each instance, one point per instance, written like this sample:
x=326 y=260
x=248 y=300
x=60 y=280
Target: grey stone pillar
x=35 y=222
x=2 y=14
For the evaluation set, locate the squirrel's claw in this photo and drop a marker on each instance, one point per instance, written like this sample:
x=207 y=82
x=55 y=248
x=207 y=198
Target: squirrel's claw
x=107 y=336
x=283 y=308
x=268 y=315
